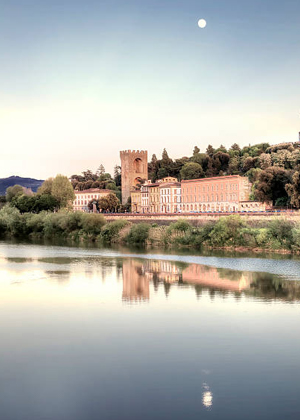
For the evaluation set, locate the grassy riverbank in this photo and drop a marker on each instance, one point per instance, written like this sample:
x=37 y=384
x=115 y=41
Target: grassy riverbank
x=232 y=232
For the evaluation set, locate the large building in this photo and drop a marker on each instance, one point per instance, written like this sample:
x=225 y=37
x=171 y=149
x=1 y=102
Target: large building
x=219 y=194
x=134 y=169
x=82 y=198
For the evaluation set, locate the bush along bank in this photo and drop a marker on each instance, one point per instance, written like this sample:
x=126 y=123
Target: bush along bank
x=233 y=232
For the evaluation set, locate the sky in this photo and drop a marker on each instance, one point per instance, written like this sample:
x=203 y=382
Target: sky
x=82 y=80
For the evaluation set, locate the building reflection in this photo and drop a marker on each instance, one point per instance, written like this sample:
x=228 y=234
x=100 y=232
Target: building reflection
x=216 y=278
x=135 y=283
x=138 y=274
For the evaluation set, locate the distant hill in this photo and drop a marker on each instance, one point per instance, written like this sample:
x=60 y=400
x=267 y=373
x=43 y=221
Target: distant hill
x=32 y=183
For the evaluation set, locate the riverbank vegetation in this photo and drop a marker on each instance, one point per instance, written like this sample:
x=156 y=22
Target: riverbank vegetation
x=232 y=232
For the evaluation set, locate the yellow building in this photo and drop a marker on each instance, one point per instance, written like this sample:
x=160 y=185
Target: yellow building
x=136 y=201
x=154 y=198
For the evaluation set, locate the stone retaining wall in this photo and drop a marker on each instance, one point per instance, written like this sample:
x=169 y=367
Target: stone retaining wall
x=169 y=218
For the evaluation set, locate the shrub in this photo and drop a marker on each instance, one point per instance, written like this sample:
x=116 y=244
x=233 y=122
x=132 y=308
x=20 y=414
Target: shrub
x=262 y=236
x=180 y=226
x=227 y=231
x=281 y=231
x=11 y=221
x=70 y=222
x=203 y=234
x=34 y=222
x=138 y=234
x=111 y=230
x=52 y=224
x=247 y=237
x=92 y=223
x=296 y=238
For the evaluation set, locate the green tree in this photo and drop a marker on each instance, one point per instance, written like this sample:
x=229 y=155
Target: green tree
x=23 y=203
x=2 y=200
x=46 y=187
x=210 y=150
x=89 y=176
x=108 y=203
x=117 y=175
x=62 y=191
x=191 y=170
x=101 y=170
x=196 y=150
x=293 y=190
x=270 y=185
x=14 y=191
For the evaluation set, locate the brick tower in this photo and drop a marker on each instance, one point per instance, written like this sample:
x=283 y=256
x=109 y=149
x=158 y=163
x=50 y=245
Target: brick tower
x=134 y=166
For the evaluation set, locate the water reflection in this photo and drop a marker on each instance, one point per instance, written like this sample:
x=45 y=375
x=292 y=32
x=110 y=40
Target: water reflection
x=207 y=396
x=141 y=277
x=135 y=283
x=137 y=275
x=90 y=336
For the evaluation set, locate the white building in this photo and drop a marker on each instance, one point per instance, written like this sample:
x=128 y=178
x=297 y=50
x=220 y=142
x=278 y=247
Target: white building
x=82 y=198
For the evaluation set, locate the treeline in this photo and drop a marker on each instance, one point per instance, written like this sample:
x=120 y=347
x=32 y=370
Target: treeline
x=227 y=232
x=54 y=194
x=274 y=171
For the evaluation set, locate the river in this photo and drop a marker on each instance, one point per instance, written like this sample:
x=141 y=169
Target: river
x=91 y=333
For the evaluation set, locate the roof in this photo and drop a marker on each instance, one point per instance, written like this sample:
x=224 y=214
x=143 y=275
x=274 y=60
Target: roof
x=94 y=191
x=169 y=184
x=213 y=178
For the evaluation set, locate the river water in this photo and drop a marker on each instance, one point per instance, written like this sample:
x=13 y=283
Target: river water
x=103 y=334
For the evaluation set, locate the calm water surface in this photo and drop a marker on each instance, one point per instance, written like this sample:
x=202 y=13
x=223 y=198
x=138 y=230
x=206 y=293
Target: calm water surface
x=100 y=334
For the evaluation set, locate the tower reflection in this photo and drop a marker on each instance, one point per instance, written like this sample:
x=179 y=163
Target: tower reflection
x=135 y=283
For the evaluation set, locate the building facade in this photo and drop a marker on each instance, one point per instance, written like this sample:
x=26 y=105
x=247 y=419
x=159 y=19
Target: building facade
x=163 y=196
x=82 y=198
x=136 y=201
x=154 y=204
x=218 y=194
x=222 y=193
x=170 y=195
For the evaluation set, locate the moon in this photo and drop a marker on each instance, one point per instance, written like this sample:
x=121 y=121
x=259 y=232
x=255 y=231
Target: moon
x=202 y=23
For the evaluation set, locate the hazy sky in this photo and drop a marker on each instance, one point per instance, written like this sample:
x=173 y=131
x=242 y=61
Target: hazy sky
x=82 y=80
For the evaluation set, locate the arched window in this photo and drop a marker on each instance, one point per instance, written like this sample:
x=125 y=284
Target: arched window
x=138 y=165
